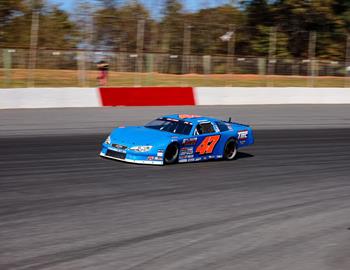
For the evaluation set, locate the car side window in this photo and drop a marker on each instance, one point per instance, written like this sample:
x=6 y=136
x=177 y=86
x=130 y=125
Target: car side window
x=204 y=128
x=222 y=126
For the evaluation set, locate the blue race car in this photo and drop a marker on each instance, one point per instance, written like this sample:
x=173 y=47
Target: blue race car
x=177 y=138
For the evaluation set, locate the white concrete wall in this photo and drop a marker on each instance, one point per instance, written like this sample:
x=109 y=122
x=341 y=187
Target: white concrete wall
x=270 y=95
x=90 y=97
x=49 y=98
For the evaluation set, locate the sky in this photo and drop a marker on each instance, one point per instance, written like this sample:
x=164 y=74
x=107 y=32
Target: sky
x=189 y=5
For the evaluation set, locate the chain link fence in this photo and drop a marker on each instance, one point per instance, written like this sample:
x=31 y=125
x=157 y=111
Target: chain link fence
x=78 y=67
x=144 y=52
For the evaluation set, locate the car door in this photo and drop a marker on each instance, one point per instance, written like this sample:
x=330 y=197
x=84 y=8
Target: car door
x=208 y=137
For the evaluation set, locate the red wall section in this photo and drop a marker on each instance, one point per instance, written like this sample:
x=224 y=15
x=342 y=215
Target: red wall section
x=147 y=96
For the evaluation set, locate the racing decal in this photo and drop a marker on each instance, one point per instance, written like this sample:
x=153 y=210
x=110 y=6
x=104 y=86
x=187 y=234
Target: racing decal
x=216 y=128
x=190 y=141
x=160 y=153
x=207 y=145
x=186 y=150
x=183 y=116
x=229 y=127
x=242 y=135
x=119 y=146
x=171 y=119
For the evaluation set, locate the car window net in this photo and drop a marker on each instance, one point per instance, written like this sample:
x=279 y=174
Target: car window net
x=205 y=128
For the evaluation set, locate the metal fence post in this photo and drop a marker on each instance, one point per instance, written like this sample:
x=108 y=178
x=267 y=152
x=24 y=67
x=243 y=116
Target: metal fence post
x=7 y=62
x=33 y=46
x=312 y=61
x=186 y=49
x=81 y=67
x=139 y=48
x=272 y=54
x=89 y=40
x=347 y=62
x=272 y=51
x=231 y=49
x=152 y=58
x=140 y=42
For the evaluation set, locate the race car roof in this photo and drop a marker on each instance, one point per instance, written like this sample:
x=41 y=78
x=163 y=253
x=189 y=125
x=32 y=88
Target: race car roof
x=192 y=118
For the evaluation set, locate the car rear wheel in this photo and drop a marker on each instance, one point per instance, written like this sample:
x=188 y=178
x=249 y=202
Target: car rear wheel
x=230 y=150
x=171 y=154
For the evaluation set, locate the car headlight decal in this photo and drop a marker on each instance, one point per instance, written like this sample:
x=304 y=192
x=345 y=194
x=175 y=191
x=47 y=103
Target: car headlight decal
x=142 y=148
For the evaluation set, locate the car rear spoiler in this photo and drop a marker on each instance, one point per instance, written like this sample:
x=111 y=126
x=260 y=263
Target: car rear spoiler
x=235 y=123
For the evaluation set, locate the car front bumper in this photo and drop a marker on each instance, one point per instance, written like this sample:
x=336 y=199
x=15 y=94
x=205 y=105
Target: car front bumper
x=130 y=156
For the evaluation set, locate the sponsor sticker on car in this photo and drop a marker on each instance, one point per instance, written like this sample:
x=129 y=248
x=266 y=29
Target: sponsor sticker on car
x=186 y=150
x=243 y=135
x=189 y=141
x=183 y=116
x=160 y=153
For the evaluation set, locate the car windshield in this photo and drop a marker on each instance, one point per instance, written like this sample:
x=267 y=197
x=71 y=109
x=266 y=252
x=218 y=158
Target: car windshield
x=171 y=125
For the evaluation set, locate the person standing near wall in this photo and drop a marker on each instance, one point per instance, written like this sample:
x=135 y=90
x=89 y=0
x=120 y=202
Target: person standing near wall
x=103 y=67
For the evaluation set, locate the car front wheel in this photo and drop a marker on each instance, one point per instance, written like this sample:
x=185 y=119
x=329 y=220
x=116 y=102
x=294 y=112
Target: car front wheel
x=230 y=150
x=171 y=154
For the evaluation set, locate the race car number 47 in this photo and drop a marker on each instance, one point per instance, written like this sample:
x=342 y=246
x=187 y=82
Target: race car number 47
x=207 y=145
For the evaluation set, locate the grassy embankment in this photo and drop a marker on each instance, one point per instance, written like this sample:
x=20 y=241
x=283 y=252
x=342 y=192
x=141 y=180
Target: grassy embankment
x=70 y=78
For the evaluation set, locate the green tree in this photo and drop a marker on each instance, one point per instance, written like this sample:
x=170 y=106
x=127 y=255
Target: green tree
x=260 y=43
x=172 y=27
x=298 y=18
x=9 y=9
x=258 y=12
x=83 y=20
x=129 y=15
x=115 y=28
x=108 y=4
x=106 y=27
x=13 y=21
x=256 y=30
x=207 y=32
x=342 y=10
x=57 y=30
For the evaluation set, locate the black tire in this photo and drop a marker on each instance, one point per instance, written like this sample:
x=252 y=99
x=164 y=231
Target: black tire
x=171 y=154
x=230 y=150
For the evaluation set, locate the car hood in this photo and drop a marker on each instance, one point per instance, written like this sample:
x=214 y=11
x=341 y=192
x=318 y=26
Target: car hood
x=132 y=136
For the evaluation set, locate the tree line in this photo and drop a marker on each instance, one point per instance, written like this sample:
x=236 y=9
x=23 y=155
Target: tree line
x=243 y=29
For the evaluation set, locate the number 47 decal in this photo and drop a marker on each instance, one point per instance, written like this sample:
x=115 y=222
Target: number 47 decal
x=207 y=145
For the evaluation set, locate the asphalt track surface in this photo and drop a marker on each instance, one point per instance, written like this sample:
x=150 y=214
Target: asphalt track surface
x=283 y=204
